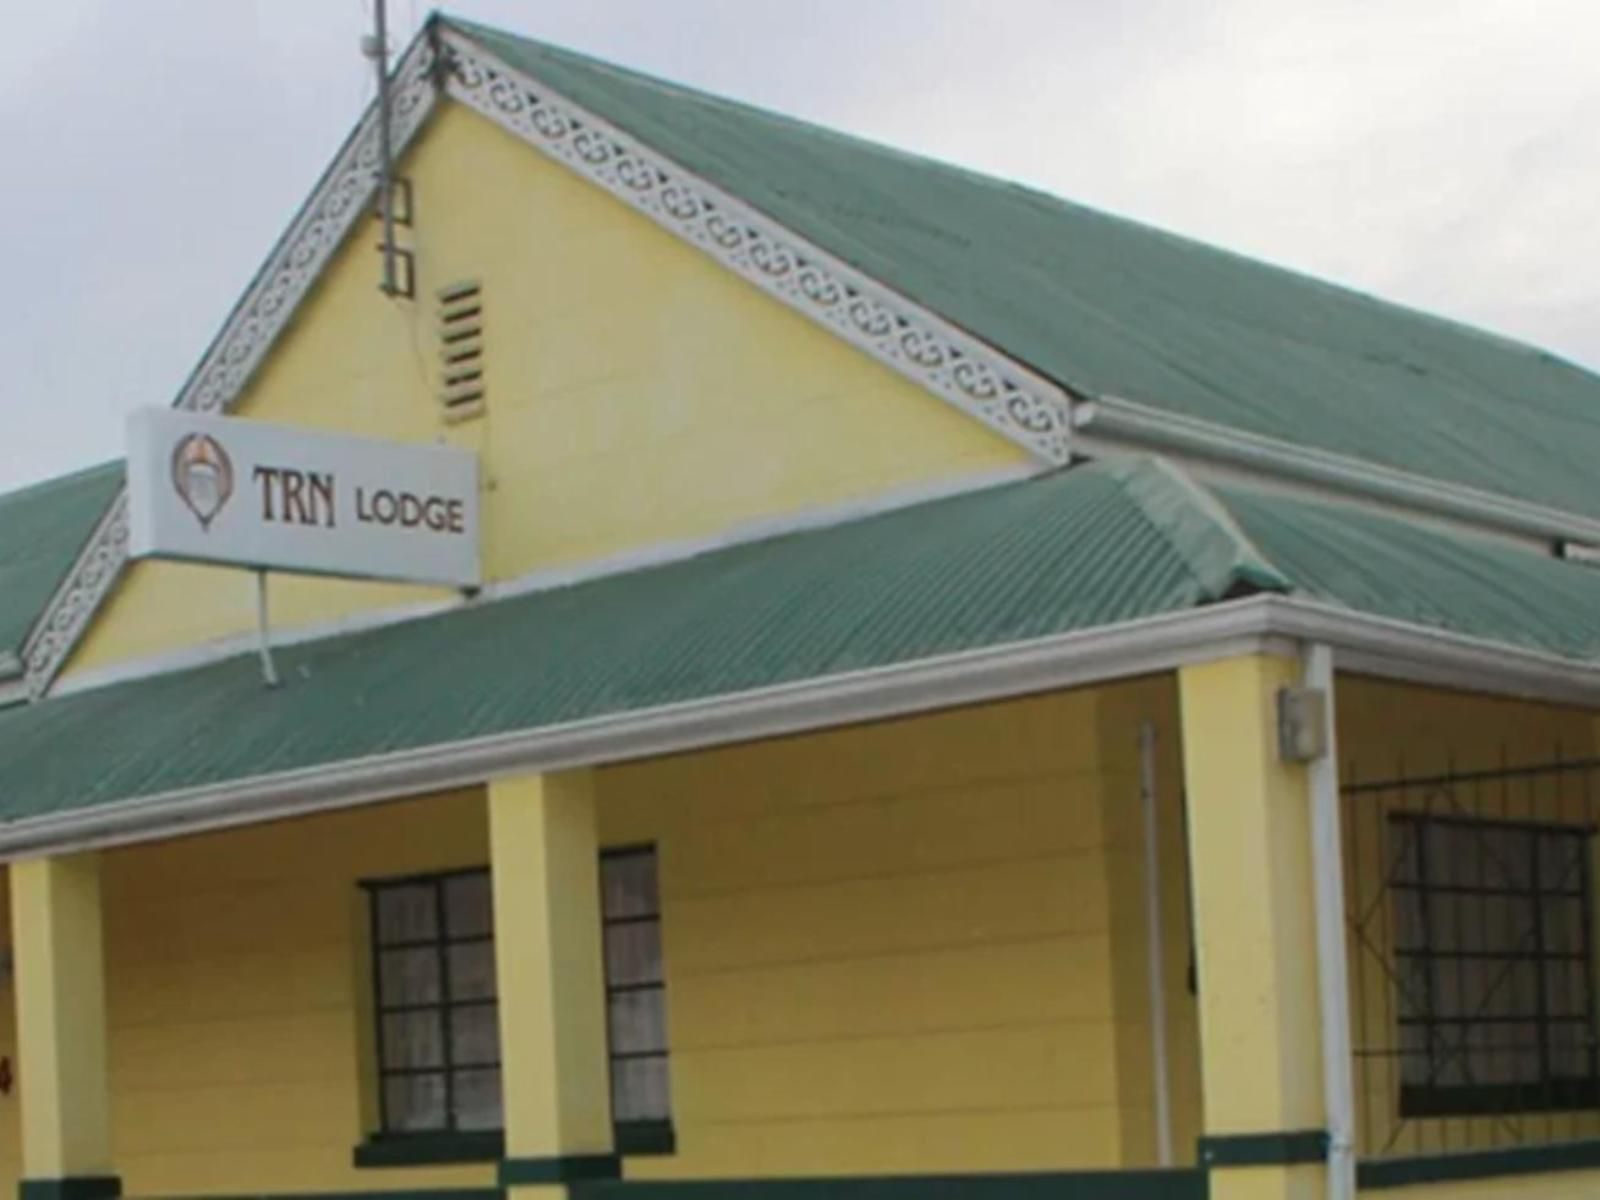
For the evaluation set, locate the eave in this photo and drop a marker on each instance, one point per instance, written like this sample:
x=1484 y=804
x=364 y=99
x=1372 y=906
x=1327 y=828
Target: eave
x=1263 y=624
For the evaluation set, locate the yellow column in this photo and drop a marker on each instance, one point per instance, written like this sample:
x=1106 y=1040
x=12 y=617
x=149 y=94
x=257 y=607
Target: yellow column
x=1250 y=852
x=544 y=853
x=61 y=1029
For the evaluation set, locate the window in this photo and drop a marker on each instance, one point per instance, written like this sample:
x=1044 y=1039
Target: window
x=1494 y=966
x=438 y=1033
x=636 y=994
x=438 y=1038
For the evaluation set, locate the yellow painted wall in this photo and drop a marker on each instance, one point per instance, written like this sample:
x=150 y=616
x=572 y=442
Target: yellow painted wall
x=914 y=946
x=890 y=948
x=1121 y=711
x=1388 y=731
x=638 y=392
x=234 y=963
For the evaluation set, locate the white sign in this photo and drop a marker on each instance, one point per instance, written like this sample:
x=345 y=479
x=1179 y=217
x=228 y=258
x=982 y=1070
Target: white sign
x=228 y=490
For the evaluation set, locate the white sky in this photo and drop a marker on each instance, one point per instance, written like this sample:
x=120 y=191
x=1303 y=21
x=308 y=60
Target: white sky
x=1445 y=153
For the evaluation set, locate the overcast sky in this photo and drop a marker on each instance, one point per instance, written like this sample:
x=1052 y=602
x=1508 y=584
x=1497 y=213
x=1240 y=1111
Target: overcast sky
x=1438 y=152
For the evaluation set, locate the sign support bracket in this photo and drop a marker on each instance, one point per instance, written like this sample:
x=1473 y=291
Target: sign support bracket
x=269 y=669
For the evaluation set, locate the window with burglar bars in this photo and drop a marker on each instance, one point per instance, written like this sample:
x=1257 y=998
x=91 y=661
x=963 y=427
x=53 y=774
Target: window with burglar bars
x=438 y=1038
x=1492 y=946
x=438 y=1043
x=1472 y=959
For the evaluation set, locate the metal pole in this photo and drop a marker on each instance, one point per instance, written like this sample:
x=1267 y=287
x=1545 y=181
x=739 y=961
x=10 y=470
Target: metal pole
x=1156 y=942
x=1327 y=856
x=269 y=670
x=380 y=59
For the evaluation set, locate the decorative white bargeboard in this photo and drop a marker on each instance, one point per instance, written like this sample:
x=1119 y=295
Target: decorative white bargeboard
x=228 y=490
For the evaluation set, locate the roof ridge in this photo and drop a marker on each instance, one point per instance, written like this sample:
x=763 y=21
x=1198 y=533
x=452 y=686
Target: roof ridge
x=1221 y=556
x=641 y=75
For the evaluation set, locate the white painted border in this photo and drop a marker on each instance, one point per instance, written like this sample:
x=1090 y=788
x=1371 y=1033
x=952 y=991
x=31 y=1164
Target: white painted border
x=1273 y=624
x=1001 y=392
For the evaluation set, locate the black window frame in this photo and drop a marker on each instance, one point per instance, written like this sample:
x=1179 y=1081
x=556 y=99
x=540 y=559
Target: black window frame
x=442 y=944
x=652 y=1134
x=1553 y=1091
x=388 y=1147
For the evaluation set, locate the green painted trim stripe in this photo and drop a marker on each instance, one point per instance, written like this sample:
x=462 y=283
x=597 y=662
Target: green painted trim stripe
x=1480 y=1164
x=645 y=1137
x=567 y=1168
x=1264 y=1149
x=1187 y=1184
x=425 y=1149
x=72 y=1187
x=418 y=1194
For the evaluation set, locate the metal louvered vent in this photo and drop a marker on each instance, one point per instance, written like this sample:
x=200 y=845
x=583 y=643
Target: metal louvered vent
x=461 y=350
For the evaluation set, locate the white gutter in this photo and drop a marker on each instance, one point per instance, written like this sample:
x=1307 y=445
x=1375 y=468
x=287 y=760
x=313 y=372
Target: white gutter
x=1406 y=653
x=1327 y=857
x=1367 y=645
x=1110 y=422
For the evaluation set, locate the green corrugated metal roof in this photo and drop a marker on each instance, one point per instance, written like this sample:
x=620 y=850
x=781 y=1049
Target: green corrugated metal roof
x=1077 y=549
x=1422 y=575
x=42 y=529
x=1108 y=306
x=1099 y=544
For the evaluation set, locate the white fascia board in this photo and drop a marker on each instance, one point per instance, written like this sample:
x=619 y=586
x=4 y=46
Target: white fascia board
x=1406 y=653
x=1109 y=423
x=1264 y=624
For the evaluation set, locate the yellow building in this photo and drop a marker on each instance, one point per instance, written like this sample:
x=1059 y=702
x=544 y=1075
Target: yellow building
x=970 y=697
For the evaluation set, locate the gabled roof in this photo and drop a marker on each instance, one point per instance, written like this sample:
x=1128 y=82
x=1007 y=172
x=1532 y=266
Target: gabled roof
x=1000 y=298
x=42 y=529
x=1106 y=306
x=1003 y=570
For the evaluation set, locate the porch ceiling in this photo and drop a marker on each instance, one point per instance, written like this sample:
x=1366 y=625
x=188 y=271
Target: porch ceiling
x=1105 y=544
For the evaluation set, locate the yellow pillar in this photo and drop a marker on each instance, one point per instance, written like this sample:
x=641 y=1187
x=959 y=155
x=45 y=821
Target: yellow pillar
x=61 y=1029
x=1249 y=818
x=544 y=853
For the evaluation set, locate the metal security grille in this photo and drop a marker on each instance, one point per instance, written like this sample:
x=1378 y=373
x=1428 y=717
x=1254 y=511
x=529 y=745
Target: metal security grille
x=1471 y=929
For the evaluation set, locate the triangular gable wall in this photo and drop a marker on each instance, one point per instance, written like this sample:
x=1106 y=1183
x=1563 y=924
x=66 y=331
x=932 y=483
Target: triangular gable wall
x=1022 y=407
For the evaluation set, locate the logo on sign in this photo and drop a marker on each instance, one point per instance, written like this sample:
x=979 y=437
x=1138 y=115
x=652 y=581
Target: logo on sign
x=202 y=475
